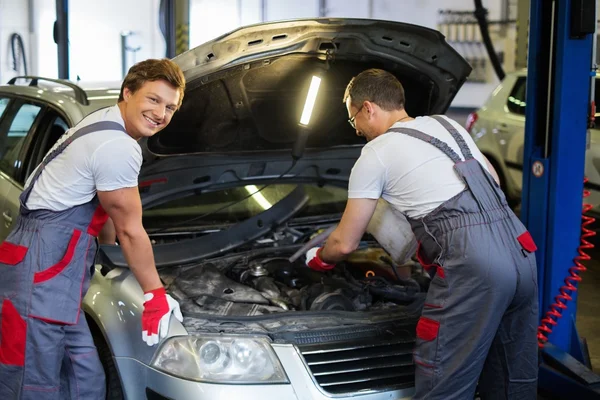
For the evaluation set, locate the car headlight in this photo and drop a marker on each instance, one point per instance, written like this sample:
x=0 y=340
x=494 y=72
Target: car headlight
x=220 y=359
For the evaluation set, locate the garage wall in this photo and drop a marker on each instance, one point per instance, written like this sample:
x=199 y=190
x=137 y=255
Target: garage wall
x=95 y=36
x=14 y=18
x=95 y=44
x=212 y=18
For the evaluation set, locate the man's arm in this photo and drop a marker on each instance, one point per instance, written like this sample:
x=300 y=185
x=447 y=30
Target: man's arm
x=108 y=235
x=346 y=237
x=124 y=207
x=492 y=170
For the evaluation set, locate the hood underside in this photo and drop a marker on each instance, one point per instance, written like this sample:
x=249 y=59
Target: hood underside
x=245 y=91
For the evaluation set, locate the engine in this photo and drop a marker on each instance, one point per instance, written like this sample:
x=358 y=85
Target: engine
x=257 y=284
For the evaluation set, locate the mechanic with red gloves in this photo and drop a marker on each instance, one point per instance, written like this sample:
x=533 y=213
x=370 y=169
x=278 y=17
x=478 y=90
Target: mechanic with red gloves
x=89 y=177
x=480 y=315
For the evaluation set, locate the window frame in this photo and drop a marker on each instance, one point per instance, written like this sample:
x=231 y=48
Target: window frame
x=14 y=106
x=7 y=109
x=32 y=156
x=520 y=82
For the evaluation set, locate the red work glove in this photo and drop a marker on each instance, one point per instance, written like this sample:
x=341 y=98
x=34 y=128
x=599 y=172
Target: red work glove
x=314 y=261
x=158 y=306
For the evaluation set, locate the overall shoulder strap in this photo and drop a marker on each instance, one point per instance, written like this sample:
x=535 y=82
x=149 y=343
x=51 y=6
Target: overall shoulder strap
x=95 y=127
x=464 y=147
x=431 y=140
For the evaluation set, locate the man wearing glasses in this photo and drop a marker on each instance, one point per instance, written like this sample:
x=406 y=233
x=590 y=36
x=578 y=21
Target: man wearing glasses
x=480 y=316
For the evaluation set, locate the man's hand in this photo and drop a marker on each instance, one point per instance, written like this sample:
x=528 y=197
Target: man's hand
x=158 y=306
x=315 y=262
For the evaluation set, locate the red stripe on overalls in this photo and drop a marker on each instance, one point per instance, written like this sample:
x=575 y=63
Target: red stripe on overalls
x=57 y=268
x=14 y=334
x=98 y=220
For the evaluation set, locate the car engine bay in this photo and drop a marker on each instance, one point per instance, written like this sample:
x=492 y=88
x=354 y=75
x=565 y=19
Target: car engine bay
x=260 y=279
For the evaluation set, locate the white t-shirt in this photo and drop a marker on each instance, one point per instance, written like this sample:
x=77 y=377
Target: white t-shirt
x=412 y=175
x=105 y=161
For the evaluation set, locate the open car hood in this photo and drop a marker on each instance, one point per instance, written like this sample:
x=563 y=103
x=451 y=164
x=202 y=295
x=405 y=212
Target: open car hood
x=245 y=90
x=244 y=96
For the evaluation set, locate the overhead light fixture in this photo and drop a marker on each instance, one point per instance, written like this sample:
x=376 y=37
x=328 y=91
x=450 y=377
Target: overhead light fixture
x=309 y=105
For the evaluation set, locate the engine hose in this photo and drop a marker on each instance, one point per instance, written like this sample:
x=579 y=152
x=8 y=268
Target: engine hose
x=565 y=292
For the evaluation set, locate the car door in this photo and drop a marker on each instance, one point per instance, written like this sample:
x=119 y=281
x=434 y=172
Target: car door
x=6 y=106
x=511 y=131
x=17 y=126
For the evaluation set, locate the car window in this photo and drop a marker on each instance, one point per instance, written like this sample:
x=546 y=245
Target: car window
x=325 y=200
x=57 y=129
x=3 y=104
x=50 y=128
x=12 y=143
x=516 y=100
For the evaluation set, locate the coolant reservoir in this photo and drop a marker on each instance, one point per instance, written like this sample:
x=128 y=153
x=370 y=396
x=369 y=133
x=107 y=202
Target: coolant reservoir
x=392 y=230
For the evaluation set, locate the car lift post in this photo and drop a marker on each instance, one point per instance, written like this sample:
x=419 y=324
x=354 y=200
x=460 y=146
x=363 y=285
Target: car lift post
x=558 y=100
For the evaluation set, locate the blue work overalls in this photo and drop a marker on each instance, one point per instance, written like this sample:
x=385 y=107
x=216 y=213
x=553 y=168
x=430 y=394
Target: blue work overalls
x=480 y=316
x=46 y=263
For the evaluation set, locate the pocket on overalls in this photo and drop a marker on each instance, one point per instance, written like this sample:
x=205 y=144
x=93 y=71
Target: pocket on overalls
x=13 y=336
x=11 y=255
x=13 y=333
x=426 y=346
x=528 y=248
x=57 y=285
x=527 y=242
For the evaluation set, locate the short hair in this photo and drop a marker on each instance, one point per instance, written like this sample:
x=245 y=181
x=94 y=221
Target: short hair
x=153 y=70
x=377 y=86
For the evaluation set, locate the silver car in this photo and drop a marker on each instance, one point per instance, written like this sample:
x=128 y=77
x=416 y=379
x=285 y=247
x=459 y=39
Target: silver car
x=227 y=208
x=498 y=128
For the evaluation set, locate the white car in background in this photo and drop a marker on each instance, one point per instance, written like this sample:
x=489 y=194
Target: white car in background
x=498 y=128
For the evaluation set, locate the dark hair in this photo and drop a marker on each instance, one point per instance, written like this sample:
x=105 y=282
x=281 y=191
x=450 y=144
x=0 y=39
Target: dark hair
x=377 y=86
x=153 y=70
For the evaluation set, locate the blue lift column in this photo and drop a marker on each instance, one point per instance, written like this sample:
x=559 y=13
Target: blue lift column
x=558 y=102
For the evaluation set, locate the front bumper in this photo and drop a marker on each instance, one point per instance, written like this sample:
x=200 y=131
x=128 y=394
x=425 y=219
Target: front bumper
x=137 y=378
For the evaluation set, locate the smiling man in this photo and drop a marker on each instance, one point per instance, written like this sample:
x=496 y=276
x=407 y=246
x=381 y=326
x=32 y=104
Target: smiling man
x=89 y=177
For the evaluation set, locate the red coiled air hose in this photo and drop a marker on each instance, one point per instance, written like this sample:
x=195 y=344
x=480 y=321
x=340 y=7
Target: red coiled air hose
x=556 y=308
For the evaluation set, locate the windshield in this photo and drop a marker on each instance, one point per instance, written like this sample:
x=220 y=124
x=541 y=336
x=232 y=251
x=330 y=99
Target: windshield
x=323 y=201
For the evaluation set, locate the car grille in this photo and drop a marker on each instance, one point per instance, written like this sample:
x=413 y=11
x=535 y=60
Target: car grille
x=361 y=366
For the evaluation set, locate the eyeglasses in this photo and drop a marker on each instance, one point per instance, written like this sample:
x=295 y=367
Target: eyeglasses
x=351 y=120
